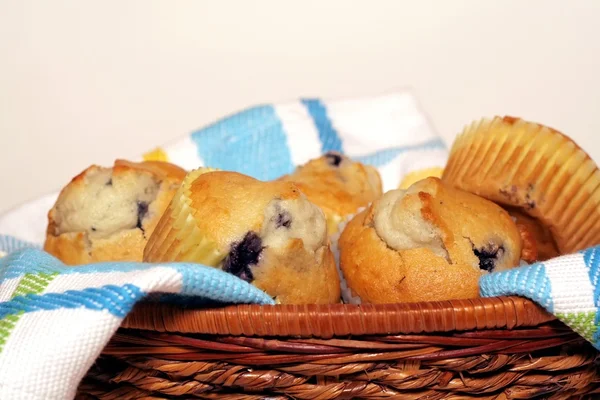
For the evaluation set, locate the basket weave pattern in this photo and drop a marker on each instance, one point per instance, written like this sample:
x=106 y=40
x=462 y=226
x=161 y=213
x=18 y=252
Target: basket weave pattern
x=501 y=348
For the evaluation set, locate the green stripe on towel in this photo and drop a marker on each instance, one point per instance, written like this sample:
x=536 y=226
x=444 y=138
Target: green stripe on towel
x=583 y=323
x=29 y=284
x=33 y=284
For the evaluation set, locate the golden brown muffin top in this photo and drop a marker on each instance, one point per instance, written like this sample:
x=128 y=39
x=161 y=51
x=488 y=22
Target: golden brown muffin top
x=454 y=224
x=159 y=169
x=227 y=205
x=430 y=242
x=337 y=184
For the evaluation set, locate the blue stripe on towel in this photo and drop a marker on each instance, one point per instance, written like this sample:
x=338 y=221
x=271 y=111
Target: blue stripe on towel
x=530 y=281
x=117 y=300
x=591 y=258
x=28 y=261
x=252 y=142
x=330 y=139
x=382 y=157
x=215 y=284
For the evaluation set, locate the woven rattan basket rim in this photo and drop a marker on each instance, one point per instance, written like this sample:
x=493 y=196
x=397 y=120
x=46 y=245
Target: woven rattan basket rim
x=341 y=319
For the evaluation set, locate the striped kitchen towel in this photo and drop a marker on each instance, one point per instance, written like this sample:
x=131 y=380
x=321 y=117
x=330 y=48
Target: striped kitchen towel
x=55 y=320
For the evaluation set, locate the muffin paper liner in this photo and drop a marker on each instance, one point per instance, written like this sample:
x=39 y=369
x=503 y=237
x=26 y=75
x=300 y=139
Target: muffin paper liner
x=177 y=236
x=348 y=296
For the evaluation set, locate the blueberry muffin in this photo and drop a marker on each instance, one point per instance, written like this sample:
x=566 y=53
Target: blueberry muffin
x=532 y=168
x=107 y=214
x=338 y=185
x=266 y=233
x=427 y=243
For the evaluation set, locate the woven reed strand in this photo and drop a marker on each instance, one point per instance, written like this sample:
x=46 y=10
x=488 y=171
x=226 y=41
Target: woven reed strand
x=547 y=361
x=326 y=321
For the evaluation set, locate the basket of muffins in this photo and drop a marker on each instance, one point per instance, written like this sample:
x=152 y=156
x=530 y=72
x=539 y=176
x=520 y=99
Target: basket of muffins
x=376 y=293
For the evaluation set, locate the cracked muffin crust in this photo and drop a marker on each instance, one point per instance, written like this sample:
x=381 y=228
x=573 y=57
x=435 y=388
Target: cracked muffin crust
x=338 y=185
x=107 y=214
x=427 y=243
x=266 y=233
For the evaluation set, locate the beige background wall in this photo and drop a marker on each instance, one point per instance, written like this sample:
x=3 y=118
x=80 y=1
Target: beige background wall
x=85 y=82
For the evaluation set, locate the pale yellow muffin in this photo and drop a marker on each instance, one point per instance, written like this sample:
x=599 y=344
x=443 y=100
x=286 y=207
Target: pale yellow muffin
x=267 y=233
x=429 y=242
x=535 y=169
x=338 y=185
x=107 y=214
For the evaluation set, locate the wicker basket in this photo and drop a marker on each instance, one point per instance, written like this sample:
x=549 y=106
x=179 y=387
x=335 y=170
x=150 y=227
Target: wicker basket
x=497 y=348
